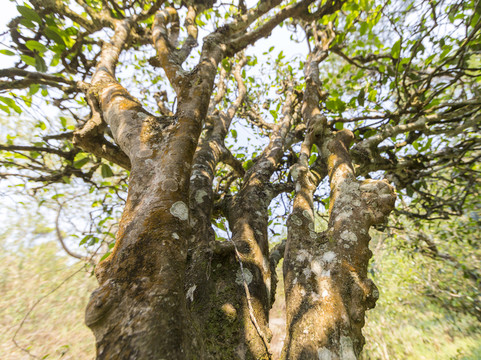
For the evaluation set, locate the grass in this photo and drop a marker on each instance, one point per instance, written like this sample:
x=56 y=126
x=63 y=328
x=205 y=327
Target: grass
x=404 y=324
x=54 y=329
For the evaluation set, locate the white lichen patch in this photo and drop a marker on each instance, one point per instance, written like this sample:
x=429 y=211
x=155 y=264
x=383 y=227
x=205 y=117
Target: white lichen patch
x=370 y=185
x=326 y=273
x=170 y=185
x=196 y=174
x=265 y=265
x=175 y=236
x=325 y=293
x=347 y=349
x=344 y=215
x=303 y=255
x=313 y=234
x=315 y=296
x=307 y=214
x=298 y=186
x=351 y=187
x=190 y=293
x=199 y=196
x=296 y=220
x=180 y=210
x=349 y=236
x=230 y=311
x=324 y=354
x=243 y=275
x=329 y=256
x=294 y=172
x=316 y=267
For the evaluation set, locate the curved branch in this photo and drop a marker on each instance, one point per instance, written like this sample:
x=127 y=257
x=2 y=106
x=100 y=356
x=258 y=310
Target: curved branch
x=60 y=237
x=165 y=45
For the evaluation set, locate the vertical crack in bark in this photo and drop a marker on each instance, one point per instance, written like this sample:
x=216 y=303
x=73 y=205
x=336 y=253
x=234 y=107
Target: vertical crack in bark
x=252 y=316
x=247 y=215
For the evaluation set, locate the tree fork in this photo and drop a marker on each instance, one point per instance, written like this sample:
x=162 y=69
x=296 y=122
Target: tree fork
x=327 y=289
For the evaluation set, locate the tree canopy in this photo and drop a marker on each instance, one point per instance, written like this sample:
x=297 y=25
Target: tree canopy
x=403 y=76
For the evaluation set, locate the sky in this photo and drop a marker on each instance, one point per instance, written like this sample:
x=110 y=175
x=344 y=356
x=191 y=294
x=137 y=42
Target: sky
x=7 y=13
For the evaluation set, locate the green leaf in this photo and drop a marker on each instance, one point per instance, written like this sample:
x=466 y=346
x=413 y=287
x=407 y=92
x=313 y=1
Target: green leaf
x=54 y=34
x=396 y=49
x=40 y=64
x=331 y=105
x=41 y=125
x=29 y=14
x=274 y=114
x=226 y=64
x=339 y=126
x=360 y=97
x=28 y=60
x=84 y=239
x=248 y=164
x=7 y=52
x=78 y=164
x=55 y=60
x=106 y=171
x=11 y=104
x=33 y=89
x=409 y=191
x=35 y=45
x=220 y=225
x=372 y=95
x=5 y=108
x=106 y=255
x=363 y=28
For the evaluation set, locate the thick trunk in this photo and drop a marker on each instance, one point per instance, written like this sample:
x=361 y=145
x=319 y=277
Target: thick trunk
x=327 y=289
x=139 y=309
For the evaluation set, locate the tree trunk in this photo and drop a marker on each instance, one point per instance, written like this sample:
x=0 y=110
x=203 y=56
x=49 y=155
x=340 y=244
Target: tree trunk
x=170 y=290
x=325 y=274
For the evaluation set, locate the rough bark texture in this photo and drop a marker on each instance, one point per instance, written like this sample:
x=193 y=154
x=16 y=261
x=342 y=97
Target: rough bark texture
x=325 y=274
x=327 y=289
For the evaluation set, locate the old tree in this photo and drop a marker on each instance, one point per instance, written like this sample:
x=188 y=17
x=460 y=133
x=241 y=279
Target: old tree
x=225 y=142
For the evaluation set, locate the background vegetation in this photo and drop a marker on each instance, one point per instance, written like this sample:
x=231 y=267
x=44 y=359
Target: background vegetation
x=427 y=308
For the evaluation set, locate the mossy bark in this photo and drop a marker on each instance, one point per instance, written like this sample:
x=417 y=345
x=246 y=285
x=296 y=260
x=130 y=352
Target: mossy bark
x=327 y=289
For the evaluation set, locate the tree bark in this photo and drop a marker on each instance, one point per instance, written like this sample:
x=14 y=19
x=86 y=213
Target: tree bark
x=170 y=289
x=327 y=289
